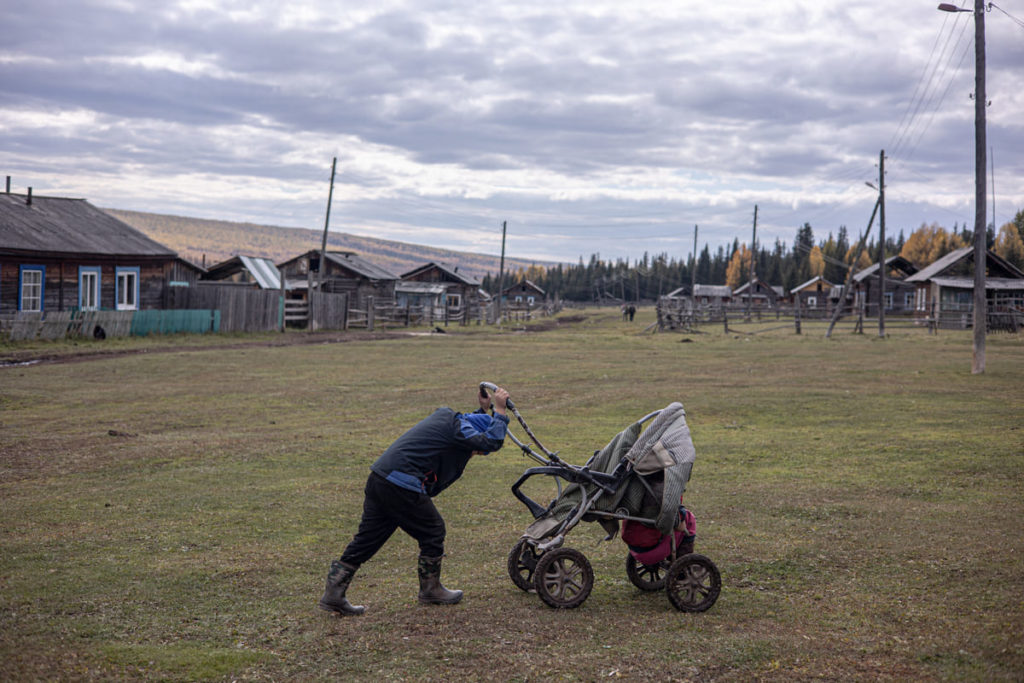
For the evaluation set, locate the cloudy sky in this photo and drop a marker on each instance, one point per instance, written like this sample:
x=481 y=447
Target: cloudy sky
x=590 y=127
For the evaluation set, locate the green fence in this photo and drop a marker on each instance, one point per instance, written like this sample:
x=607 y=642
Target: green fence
x=102 y=324
x=171 y=322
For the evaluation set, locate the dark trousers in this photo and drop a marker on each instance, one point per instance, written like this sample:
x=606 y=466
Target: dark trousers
x=387 y=507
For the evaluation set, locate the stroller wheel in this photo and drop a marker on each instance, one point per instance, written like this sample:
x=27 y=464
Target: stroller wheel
x=563 y=578
x=693 y=583
x=646 y=577
x=522 y=562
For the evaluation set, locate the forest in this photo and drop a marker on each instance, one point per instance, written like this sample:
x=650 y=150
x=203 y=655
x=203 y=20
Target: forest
x=778 y=264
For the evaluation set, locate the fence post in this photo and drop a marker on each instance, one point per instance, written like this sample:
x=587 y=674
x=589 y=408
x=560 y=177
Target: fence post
x=369 y=313
x=796 y=310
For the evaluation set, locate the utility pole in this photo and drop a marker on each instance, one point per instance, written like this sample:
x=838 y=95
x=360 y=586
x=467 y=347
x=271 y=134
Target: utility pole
x=881 y=247
x=327 y=221
x=501 y=269
x=837 y=313
x=980 y=223
x=753 y=257
x=693 y=270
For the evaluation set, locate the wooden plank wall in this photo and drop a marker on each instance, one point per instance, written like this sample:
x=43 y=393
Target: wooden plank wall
x=328 y=311
x=242 y=309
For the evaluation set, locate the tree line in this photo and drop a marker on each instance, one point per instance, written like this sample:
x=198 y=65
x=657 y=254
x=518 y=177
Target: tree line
x=777 y=264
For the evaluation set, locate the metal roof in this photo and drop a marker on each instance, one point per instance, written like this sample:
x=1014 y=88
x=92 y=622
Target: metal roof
x=58 y=225
x=263 y=271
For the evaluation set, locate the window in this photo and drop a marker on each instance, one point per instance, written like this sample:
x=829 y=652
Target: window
x=529 y=301
x=812 y=302
x=454 y=300
x=127 y=289
x=30 y=288
x=922 y=299
x=88 y=288
x=888 y=301
x=908 y=300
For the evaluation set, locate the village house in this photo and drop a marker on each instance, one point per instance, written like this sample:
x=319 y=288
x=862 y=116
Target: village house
x=523 y=294
x=345 y=272
x=814 y=295
x=945 y=290
x=763 y=295
x=63 y=254
x=461 y=291
x=899 y=294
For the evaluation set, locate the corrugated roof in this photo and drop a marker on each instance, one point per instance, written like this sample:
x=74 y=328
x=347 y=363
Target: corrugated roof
x=58 y=225
x=359 y=265
x=263 y=271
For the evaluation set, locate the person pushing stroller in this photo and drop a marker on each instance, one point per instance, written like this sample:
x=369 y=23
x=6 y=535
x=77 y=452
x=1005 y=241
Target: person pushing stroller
x=418 y=466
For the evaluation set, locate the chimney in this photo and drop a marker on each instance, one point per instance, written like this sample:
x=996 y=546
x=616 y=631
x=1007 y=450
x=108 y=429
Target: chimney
x=29 y=200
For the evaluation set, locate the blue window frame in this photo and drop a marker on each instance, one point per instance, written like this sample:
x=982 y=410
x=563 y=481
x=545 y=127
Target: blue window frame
x=126 y=288
x=31 y=286
x=89 y=288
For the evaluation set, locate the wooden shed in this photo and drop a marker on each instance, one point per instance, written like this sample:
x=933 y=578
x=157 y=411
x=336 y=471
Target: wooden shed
x=345 y=271
x=60 y=254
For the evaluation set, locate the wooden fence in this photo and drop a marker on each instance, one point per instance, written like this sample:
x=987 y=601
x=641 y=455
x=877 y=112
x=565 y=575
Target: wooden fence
x=55 y=325
x=242 y=309
x=677 y=314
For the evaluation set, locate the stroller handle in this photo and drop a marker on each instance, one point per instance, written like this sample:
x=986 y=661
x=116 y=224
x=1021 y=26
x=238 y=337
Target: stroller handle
x=492 y=387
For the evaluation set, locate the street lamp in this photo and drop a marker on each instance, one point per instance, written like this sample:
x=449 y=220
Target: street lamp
x=980 y=223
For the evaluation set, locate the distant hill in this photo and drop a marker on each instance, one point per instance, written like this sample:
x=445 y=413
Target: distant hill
x=207 y=241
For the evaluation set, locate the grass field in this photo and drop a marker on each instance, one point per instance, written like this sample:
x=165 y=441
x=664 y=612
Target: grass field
x=170 y=515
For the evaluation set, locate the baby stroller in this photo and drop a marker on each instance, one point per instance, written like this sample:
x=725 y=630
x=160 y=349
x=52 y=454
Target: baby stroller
x=639 y=478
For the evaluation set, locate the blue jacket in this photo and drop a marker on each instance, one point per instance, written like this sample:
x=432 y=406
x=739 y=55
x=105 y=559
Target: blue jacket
x=432 y=454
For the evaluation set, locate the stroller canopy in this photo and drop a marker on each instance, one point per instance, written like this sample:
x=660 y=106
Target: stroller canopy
x=662 y=451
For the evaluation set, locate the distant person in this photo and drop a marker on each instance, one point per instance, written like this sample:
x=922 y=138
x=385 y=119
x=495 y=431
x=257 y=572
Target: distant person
x=632 y=311
x=424 y=461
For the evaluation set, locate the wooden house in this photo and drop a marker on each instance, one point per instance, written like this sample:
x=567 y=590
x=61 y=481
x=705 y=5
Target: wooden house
x=761 y=295
x=461 y=291
x=344 y=271
x=945 y=289
x=523 y=294
x=62 y=254
x=814 y=296
x=245 y=271
x=899 y=294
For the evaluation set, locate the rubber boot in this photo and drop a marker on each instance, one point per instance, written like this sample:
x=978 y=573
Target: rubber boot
x=431 y=590
x=334 y=599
